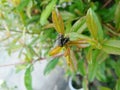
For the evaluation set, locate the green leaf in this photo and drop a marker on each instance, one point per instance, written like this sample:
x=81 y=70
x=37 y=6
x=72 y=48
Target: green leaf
x=51 y=65
x=81 y=67
x=45 y=14
x=117 y=87
x=67 y=15
x=92 y=68
x=75 y=36
x=23 y=4
x=117 y=16
x=34 y=40
x=79 y=25
x=13 y=48
x=84 y=83
x=101 y=75
x=117 y=1
x=94 y=25
x=30 y=53
x=104 y=88
x=112 y=47
x=89 y=55
x=117 y=70
x=20 y=67
x=28 y=78
x=29 y=8
x=110 y=13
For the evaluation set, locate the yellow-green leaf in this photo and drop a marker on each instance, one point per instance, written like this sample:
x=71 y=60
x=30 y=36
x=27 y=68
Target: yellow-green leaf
x=28 y=78
x=79 y=25
x=89 y=55
x=22 y=5
x=117 y=16
x=45 y=14
x=112 y=47
x=50 y=66
x=117 y=87
x=94 y=25
x=58 y=22
x=104 y=88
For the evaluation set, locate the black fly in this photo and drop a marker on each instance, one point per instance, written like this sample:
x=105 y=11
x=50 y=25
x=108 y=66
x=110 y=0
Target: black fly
x=61 y=40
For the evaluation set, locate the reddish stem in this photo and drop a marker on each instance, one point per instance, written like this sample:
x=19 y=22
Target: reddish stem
x=32 y=62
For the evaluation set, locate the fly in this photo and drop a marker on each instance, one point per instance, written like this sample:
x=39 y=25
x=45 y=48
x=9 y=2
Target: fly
x=61 y=40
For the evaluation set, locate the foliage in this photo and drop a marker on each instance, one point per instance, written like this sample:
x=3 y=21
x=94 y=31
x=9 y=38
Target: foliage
x=92 y=27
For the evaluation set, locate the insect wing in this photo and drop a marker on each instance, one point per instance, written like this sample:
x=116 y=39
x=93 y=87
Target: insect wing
x=55 y=51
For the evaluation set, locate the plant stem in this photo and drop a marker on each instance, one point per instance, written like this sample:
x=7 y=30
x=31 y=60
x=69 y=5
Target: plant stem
x=107 y=3
x=86 y=76
x=32 y=61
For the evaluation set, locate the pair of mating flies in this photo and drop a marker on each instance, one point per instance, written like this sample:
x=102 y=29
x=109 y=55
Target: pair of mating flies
x=63 y=41
x=59 y=26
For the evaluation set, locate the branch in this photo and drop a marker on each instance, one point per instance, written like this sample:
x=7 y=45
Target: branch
x=11 y=30
x=32 y=62
x=107 y=3
x=111 y=29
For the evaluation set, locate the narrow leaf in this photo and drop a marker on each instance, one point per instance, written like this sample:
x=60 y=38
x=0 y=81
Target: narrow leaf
x=117 y=70
x=58 y=22
x=61 y=22
x=92 y=68
x=94 y=25
x=104 y=88
x=79 y=25
x=22 y=5
x=118 y=85
x=45 y=14
x=117 y=16
x=28 y=78
x=89 y=55
x=29 y=8
x=50 y=66
x=112 y=47
x=81 y=67
x=67 y=15
x=55 y=51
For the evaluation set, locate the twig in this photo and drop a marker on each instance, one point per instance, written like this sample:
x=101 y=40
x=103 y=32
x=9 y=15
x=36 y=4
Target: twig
x=2 y=29
x=111 y=29
x=86 y=76
x=108 y=2
x=32 y=62
x=19 y=63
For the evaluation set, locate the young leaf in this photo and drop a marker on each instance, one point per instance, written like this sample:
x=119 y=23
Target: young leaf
x=79 y=25
x=55 y=51
x=29 y=54
x=67 y=15
x=101 y=75
x=117 y=16
x=75 y=36
x=117 y=70
x=28 y=78
x=94 y=25
x=81 y=67
x=92 y=68
x=29 y=8
x=85 y=83
x=22 y=5
x=50 y=66
x=104 y=88
x=58 y=22
x=89 y=55
x=45 y=14
x=112 y=47
x=117 y=87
